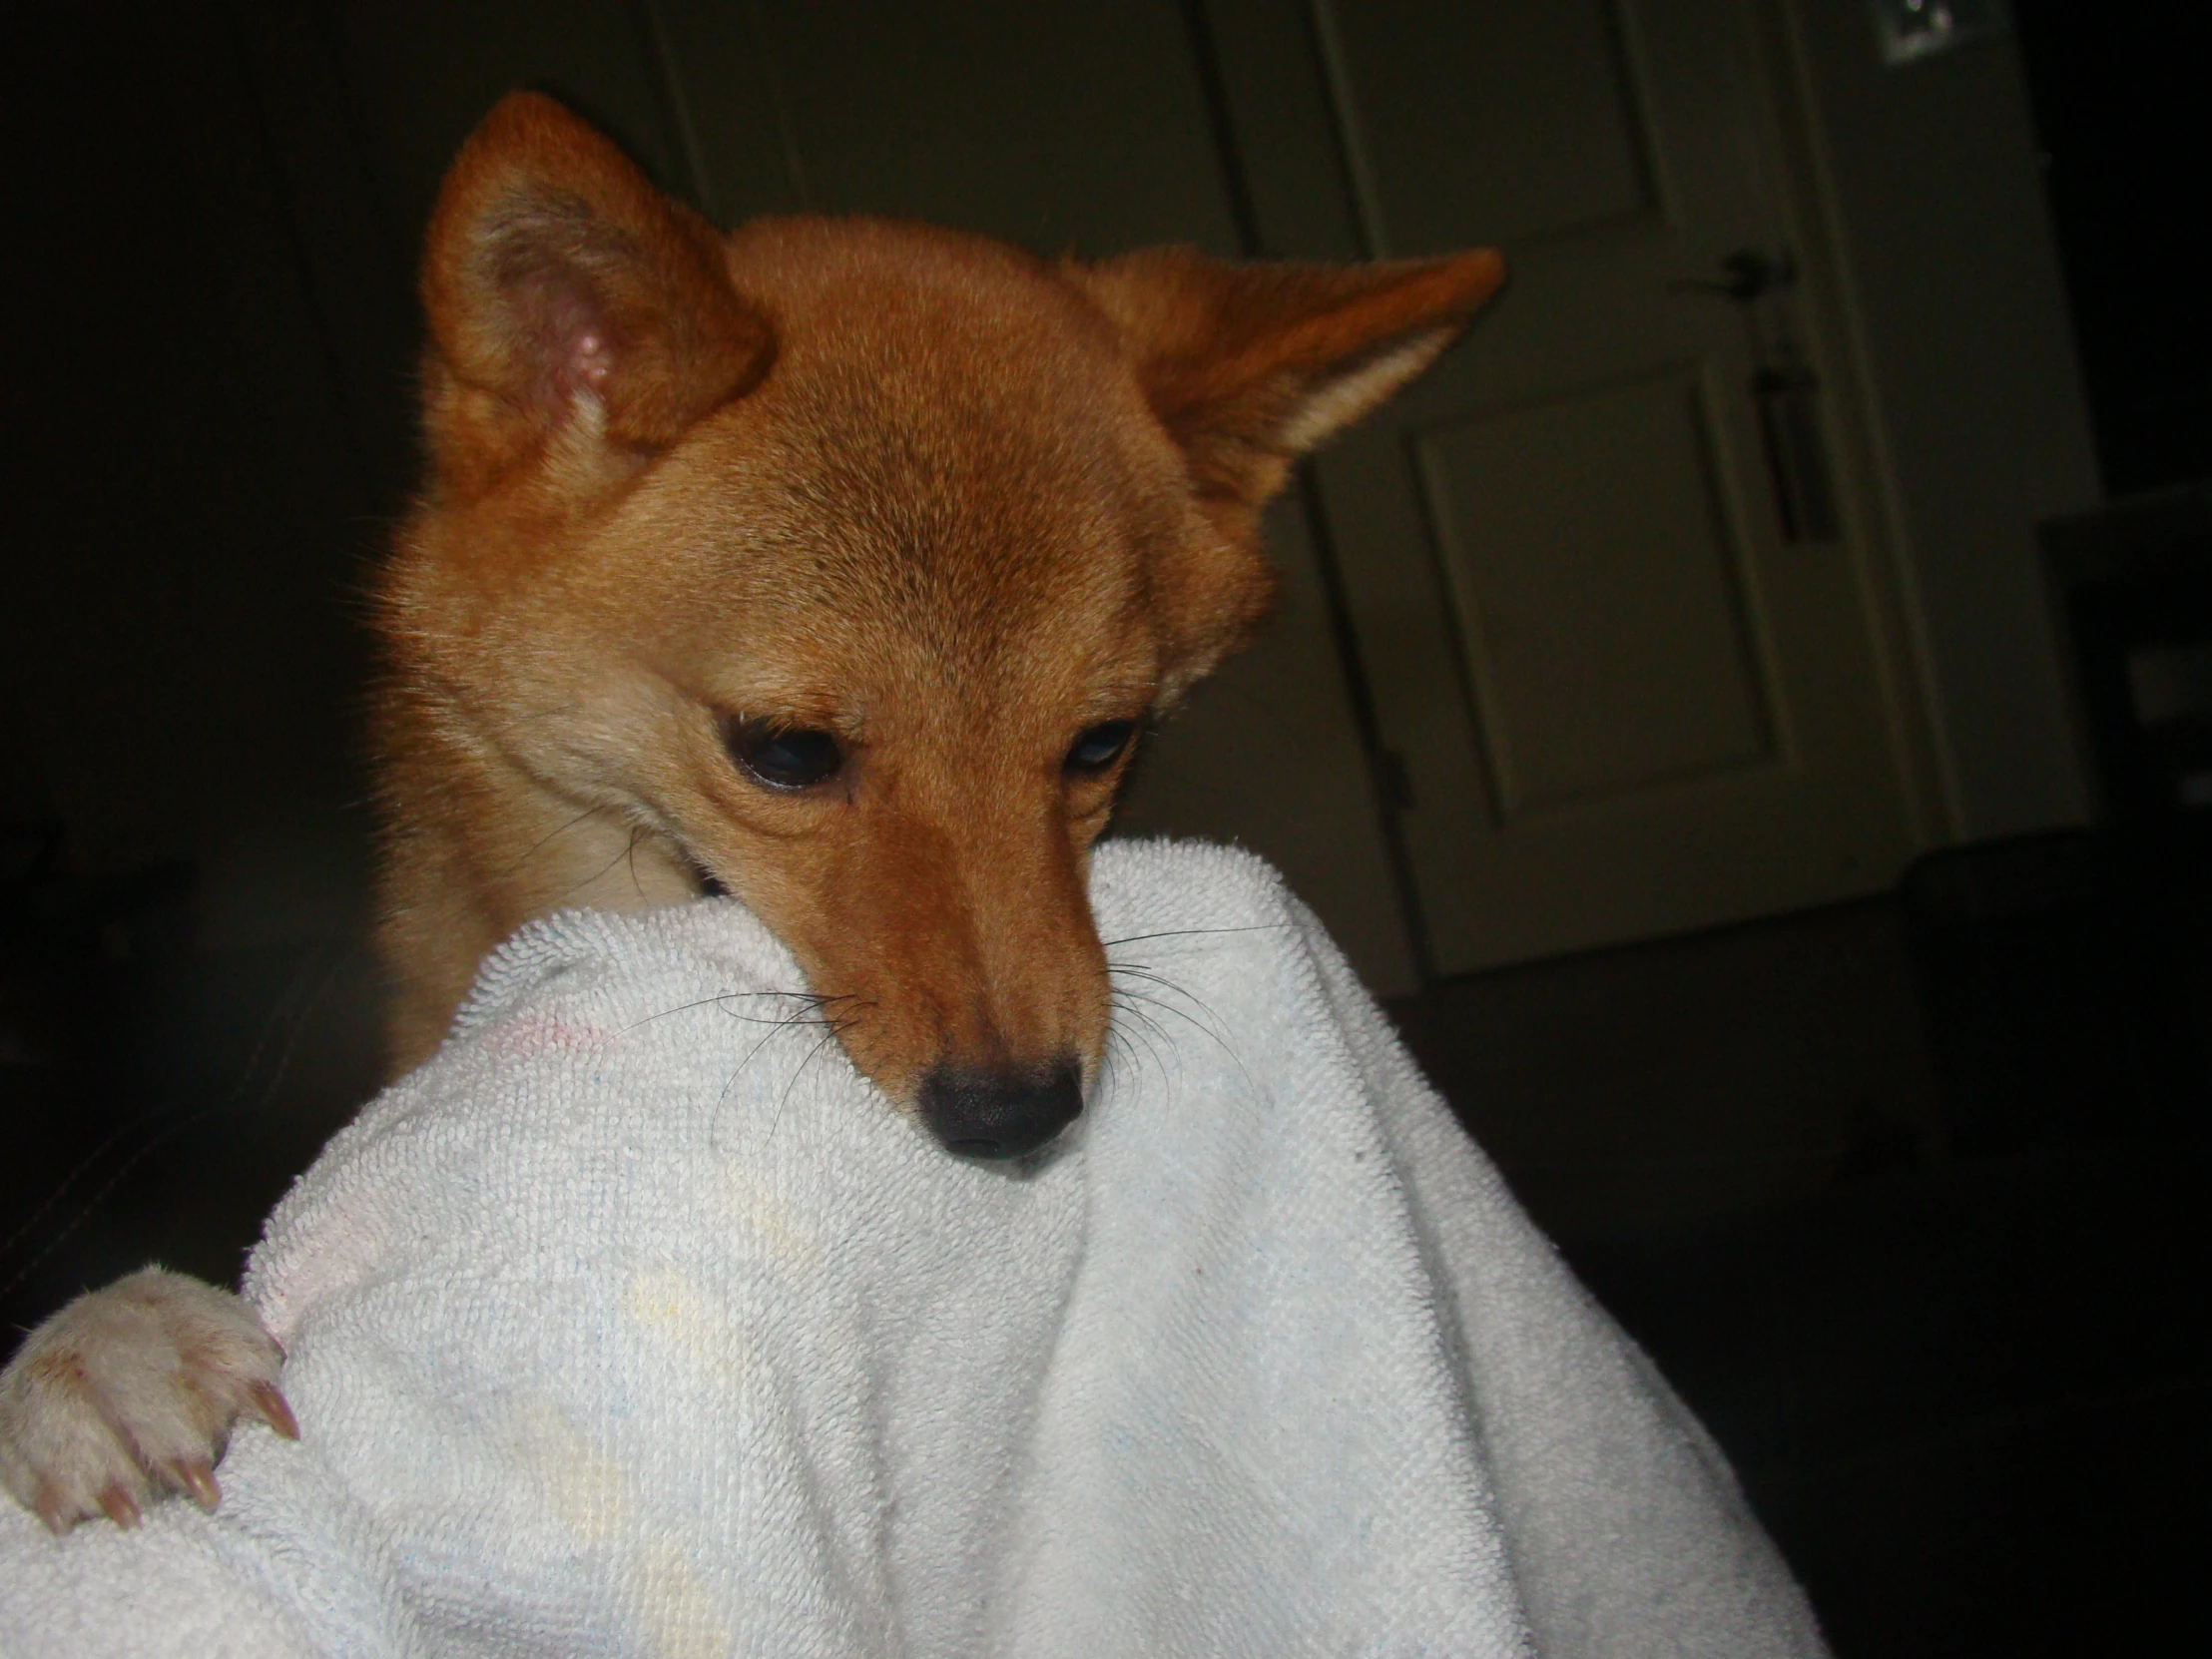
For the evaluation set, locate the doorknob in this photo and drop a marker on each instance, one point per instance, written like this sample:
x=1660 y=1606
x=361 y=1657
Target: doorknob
x=1747 y=275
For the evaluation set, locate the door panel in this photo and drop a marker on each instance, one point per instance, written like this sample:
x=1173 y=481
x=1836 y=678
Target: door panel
x=1600 y=663
x=1517 y=118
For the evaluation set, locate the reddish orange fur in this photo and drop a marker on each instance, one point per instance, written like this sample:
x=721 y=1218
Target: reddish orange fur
x=946 y=501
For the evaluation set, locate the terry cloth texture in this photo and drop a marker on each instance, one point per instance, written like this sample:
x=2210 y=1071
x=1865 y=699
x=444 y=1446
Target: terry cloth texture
x=637 y=1323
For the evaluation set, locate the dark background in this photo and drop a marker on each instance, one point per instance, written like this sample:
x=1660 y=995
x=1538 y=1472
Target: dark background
x=1963 y=1374
x=2125 y=159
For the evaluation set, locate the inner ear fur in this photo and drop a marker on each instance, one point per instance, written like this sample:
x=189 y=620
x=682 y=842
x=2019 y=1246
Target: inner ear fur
x=564 y=292
x=1250 y=366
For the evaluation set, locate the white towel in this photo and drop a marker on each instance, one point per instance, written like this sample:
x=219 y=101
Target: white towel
x=637 y=1323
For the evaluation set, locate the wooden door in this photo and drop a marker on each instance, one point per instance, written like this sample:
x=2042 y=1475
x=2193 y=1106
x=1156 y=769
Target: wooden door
x=1625 y=695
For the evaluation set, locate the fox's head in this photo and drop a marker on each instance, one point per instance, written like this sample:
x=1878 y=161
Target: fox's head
x=840 y=564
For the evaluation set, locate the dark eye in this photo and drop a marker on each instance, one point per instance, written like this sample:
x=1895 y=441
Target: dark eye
x=1101 y=746
x=782 y=756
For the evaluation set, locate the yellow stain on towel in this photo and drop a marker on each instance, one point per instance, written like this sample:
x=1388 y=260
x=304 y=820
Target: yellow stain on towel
x=754 y=1209
x=692 y=1323
x=599 y=1499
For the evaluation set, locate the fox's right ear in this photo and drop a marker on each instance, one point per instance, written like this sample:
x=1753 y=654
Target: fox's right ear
x=1250 y=363
x=566 y=296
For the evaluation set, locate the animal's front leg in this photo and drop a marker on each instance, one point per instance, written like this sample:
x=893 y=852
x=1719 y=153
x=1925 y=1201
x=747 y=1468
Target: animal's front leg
x=131 y=1385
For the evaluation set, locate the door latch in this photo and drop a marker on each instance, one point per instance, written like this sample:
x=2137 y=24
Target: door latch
x=1784 y=391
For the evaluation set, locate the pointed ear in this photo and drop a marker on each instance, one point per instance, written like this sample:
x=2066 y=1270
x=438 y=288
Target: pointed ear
x=565 y=293
x=1248 y=366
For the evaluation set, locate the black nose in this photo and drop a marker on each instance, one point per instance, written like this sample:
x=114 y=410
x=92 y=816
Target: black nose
x=1000 y=1114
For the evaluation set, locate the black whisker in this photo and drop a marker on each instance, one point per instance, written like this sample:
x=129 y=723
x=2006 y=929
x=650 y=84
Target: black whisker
x=834 y=1029
x=1195 y=932
x=1129 y=1007
x=751 y=1055
x=1156 y=1038
x=791 y=1083
x=542 y=842
x=1209 y=1031
x=1116 y=1033
x=1154 y=978
x=629 y=850
x=720 y=999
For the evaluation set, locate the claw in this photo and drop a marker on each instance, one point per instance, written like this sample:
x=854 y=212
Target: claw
x=272 y=1410
x=122 y=1508
x=194 y=1476
x=52 y=1511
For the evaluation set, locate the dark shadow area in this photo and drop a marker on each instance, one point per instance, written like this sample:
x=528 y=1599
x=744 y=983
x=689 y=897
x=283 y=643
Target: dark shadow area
x=156 y=1097
x=1957 y=1359
x=2118 y=99
x=1967 y=1402
x=186 y=1012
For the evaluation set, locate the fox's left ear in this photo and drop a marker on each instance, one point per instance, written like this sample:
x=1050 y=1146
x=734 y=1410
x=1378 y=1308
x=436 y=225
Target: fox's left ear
x=1248 y=366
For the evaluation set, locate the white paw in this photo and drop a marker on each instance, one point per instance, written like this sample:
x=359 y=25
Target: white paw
x=131 y=1385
